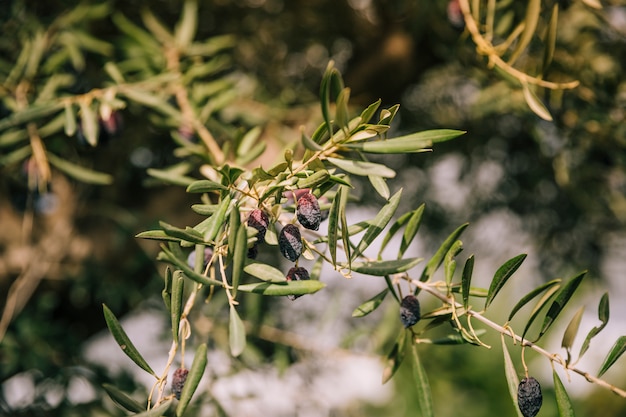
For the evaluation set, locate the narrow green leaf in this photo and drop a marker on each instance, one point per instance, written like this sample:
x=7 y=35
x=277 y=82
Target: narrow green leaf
x=205 y=186
x=265 y=272
x=368 y=113
x=473 y=291
x=452 y=339
x=563 y=403
x=216 y=221
x=333 y=225
x=502 y=275
x=532 y=294
x=166 y=293
x=31 y=113
x=535 y=104
x=572 y=329
x=533 y=11
x=188 y=234
x=236 y=333
x=288 y=288
x=395 y=357
x=603 y=315
x=330 y=81
x=378 y=223
x=342 y=116
x=362 y=168
x=543 y=301
x=170 y=177
x=449 y=265
x=345 y=237
x=512 y=380
x=550 y=38
x=309 y=143
x=124 y=341
x=122 y=399
x=560 y=301
x=89 y=123
x=178 y=289
x=397 y=225
x=149 y=100
x=417 y=142
x=387 y=115
x=424 y=395
x=186 y=28
x=370 y=305
x=410 y=231
x=239 y=256
x=157 y=235
x=437 y=258
x=313 y=180
x=193 y=379
x=380 y=185
x=466 y=279
x=158 y=411
x=78 y=172
x=70 y=119
x=190 y=273
x=382 y=268
x=616 y=351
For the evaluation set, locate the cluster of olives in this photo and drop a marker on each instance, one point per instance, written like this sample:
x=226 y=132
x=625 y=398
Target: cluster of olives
x=290 y=244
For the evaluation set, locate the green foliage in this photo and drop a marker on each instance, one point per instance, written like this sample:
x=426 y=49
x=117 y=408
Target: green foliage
x=180 y=81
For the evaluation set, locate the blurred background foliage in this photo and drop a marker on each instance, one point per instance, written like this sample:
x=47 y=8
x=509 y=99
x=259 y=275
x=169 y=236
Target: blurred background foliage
x=564 y=180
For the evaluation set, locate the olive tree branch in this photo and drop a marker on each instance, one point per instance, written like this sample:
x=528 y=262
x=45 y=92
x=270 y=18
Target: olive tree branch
x=553 y=357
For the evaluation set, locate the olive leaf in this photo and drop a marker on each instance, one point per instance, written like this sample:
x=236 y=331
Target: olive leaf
x=379 y=222
x=563 y=402
x=532 y=294
x=236 y=333
x=502 y=275
x=561 y=299
x=193 y=379
x=438 y=257
x=395 y=357
x=370 y=305
x=178 y=287
x=466 y=279
x=616 y=351
x=122 y=399
x=603 y=315
x=124 y=341
x=265 y=272
x=424 y=394
x=510 y=373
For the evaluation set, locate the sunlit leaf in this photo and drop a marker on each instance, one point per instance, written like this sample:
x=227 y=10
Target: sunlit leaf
x=378 y=224
x=193 y=379
x=572 y=329
x=382 y=268
x=533 y=11
x=216 y=221
x=178 y=288
x=236 y=333
x=603 y=315
x=166 y=293
x=416 y=142
x=450 y=263
x=363 y=168
x=288 y=288
x=122 y=399
x=512 y=380
x=313 y=180
x=170 y=177
x=535 y=104
x=422 y=386
x=186 y=27
x=502 y=275
x=562 y=297
x=532 y=294
x=124 y=341
x=380 y=185
x=370 y=305
x=70 y=120
x=342 y=116
x=265 y=272
x=189 y=234
x=368 y=113
x=616 y=351
x=466 y=279
x=89 y=123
